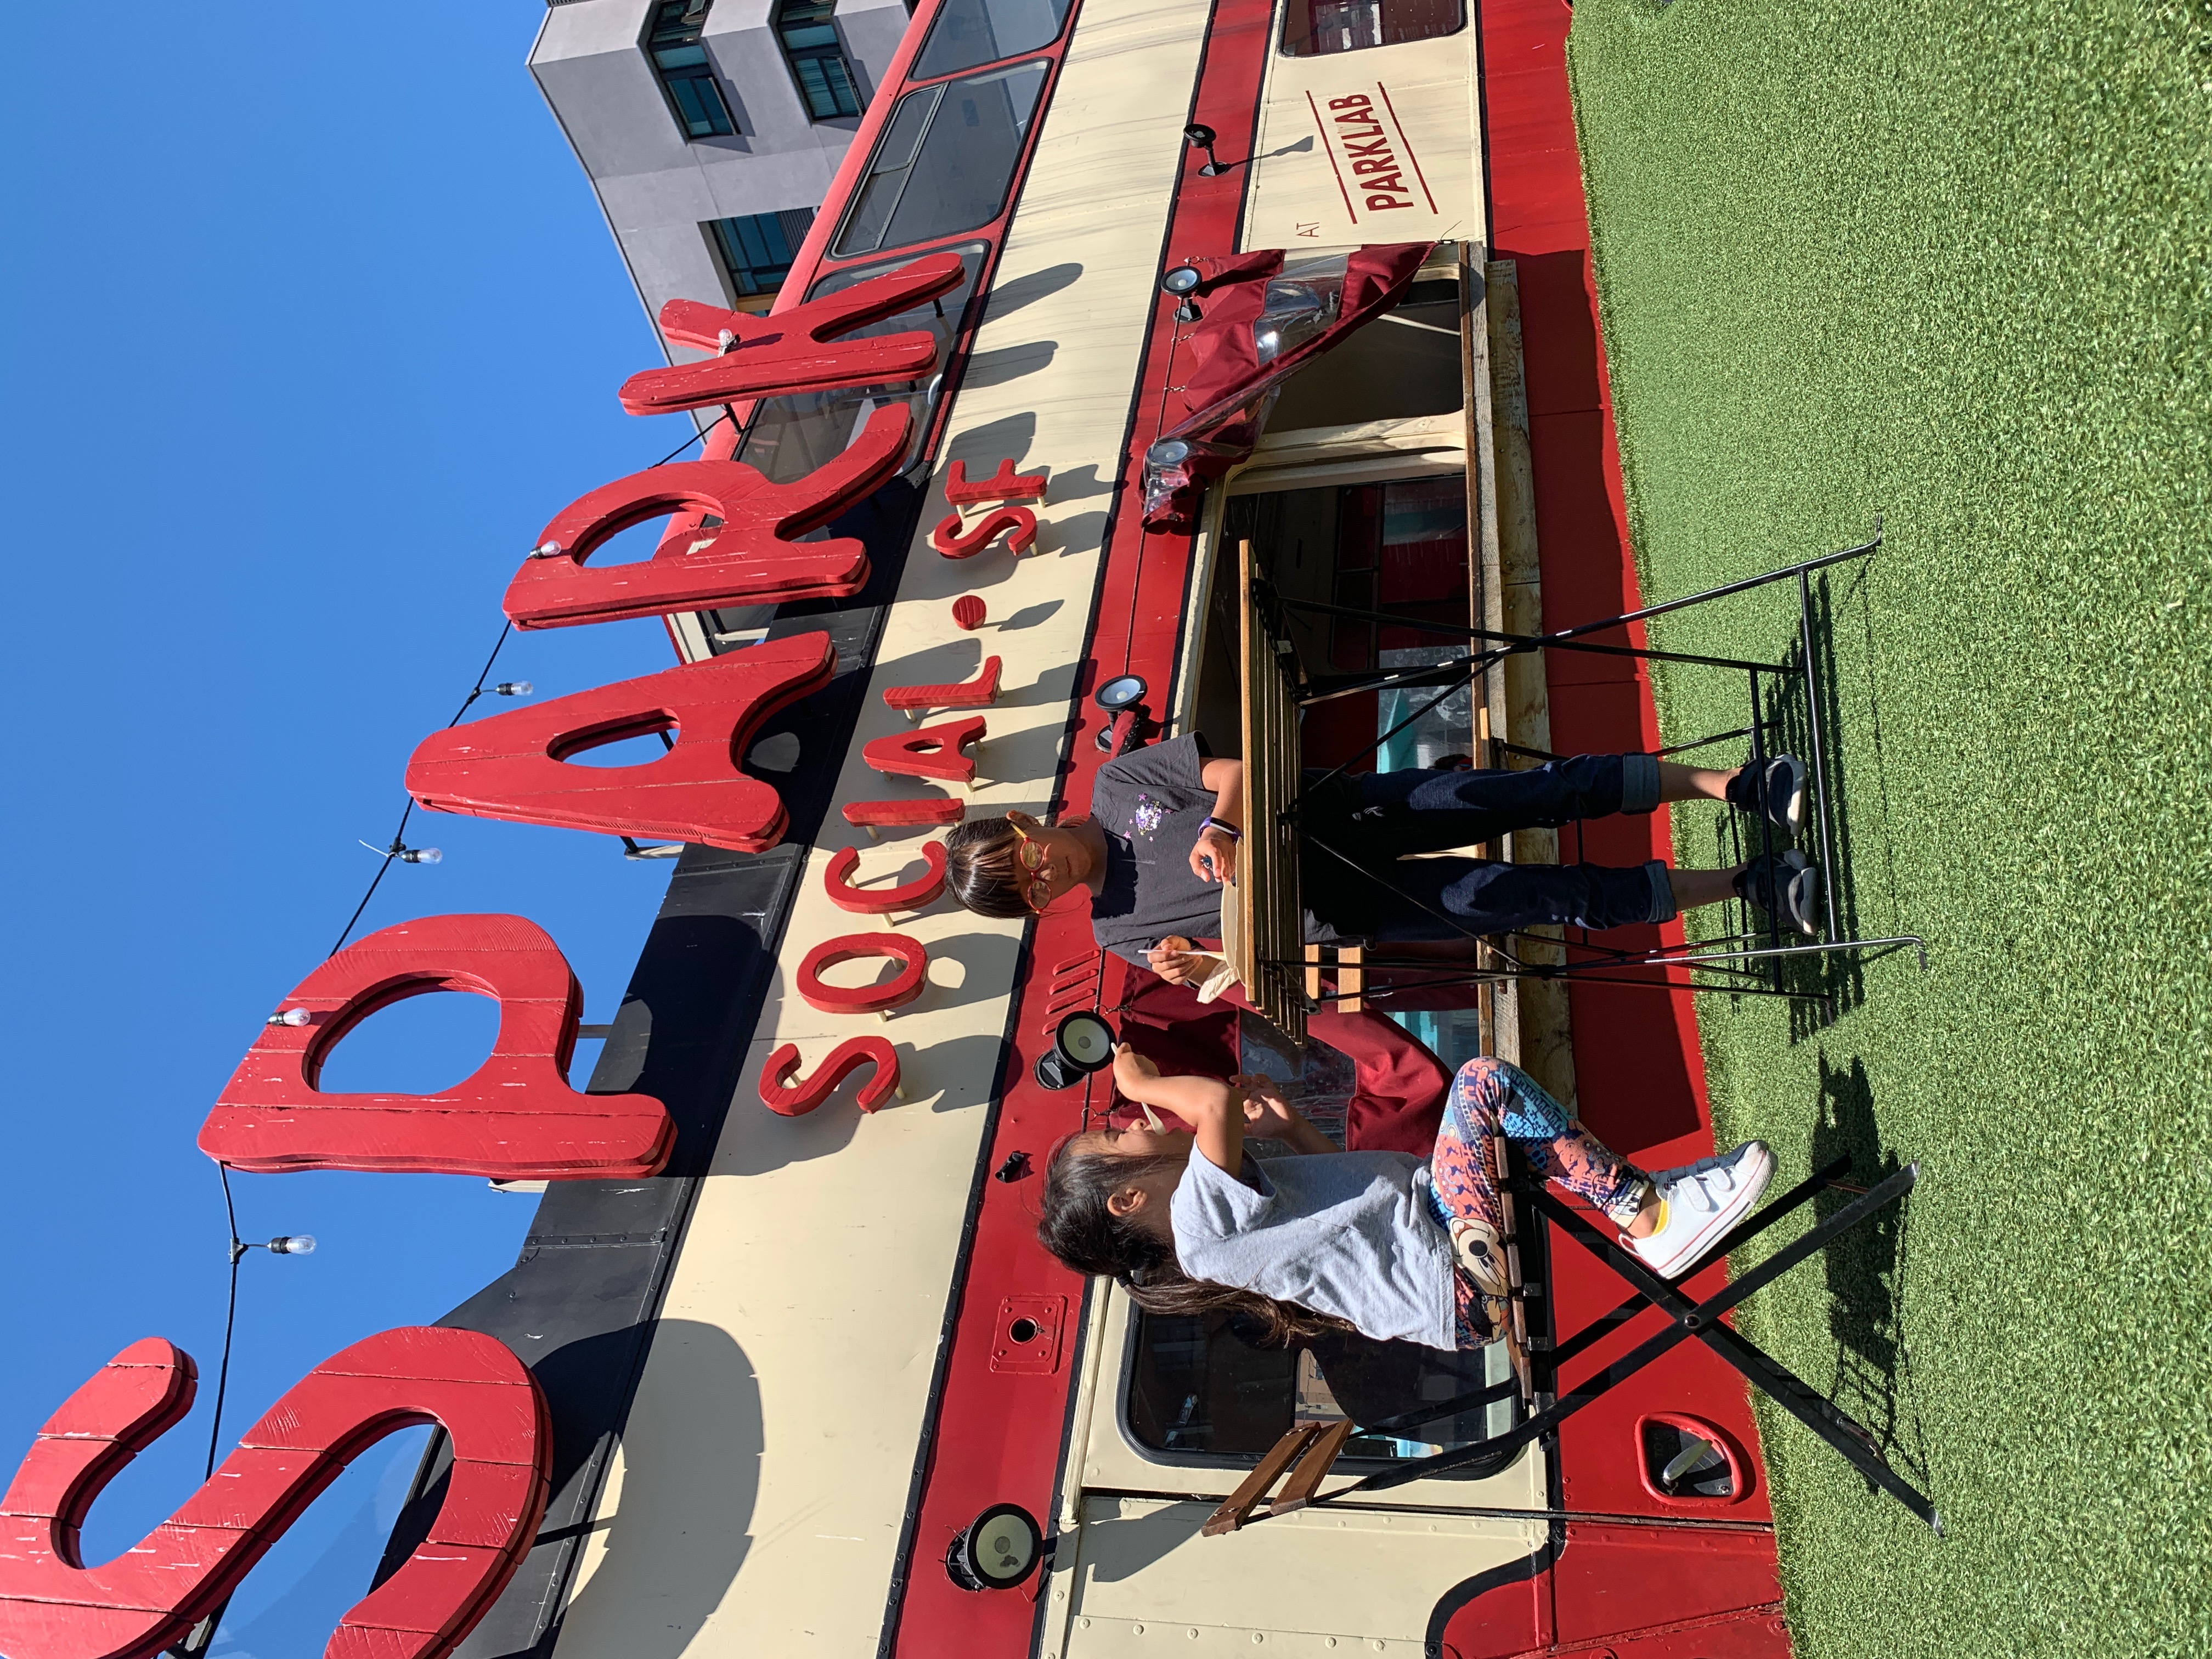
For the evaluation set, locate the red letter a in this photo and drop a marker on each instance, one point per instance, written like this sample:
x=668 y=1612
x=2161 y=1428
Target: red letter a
x=516 y=1119
x=511 y=766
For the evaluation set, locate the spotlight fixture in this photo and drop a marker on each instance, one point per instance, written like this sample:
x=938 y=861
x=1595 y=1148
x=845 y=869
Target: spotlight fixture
x=418 y=855
x=1122 y=696
x=1182 y=281
x=514 y=688
x=1199 y=135
x=1081 y=1044
x=1123 y=691
x=1168 y=451
x=294 y=1018
x=999 y=1548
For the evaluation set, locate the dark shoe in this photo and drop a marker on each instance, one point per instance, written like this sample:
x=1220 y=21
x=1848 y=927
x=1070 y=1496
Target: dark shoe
x=1773 y=788
x=1786 y=885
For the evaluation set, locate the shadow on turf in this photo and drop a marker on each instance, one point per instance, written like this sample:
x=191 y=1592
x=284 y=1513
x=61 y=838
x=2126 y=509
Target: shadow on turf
x=1865 y=1276
x=1828 y=986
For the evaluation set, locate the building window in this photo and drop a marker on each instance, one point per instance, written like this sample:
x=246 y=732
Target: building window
x=1311 y=28
x=757 y=250
x=680 y=61
x=810 y=41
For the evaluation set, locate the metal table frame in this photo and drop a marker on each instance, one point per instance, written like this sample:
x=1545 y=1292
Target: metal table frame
x=1750 y=960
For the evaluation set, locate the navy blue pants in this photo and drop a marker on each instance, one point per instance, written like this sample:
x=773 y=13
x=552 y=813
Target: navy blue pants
x=1359 y=828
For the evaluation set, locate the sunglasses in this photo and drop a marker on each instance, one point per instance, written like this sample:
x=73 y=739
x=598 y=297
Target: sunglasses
x=1030 y=856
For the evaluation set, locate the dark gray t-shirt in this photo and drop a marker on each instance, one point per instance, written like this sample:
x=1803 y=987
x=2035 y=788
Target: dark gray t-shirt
x=1151 y=804
x=1344 y=1233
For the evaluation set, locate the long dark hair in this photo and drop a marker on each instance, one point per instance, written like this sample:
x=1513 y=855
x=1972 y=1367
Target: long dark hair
x=1078 y=1228
x=981 y=869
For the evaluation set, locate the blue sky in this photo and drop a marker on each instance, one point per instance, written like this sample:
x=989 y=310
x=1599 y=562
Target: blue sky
x=310 y=322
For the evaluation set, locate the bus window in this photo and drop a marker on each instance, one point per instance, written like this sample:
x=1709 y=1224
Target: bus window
x=1311 y=28
x=1196 y=1391
x=943 y=161
x=971 y=32
x=788 y=437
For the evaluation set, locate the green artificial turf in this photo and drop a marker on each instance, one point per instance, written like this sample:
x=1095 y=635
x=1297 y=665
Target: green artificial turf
x=1952 y=262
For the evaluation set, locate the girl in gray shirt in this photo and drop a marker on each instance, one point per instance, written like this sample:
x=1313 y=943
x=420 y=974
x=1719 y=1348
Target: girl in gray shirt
x=1381 y=1243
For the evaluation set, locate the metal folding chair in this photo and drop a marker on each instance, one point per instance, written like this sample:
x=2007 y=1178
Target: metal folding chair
x=1687 y=1321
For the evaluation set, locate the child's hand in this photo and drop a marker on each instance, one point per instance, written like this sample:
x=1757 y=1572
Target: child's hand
x=1175 y=961
x=1131 y=1070
x=1266 y=1112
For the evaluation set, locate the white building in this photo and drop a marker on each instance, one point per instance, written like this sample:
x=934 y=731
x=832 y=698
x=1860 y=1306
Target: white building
x=711 y=129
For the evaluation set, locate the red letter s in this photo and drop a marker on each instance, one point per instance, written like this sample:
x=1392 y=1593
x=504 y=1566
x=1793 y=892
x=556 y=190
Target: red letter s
x=148 y=1598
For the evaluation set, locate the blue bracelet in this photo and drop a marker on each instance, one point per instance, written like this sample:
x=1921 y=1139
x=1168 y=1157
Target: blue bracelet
x=1228 y=829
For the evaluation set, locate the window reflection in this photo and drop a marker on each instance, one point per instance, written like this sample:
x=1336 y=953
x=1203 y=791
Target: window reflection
x=971 y=32
x=943 y=161
x=790 y=436
x=1312 y=27
x=1198 y=1389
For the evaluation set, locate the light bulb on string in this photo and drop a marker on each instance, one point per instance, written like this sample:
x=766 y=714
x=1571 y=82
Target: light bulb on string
x=514 y=688
x=420 y=855
x=292 y=1244
x=292 y=1017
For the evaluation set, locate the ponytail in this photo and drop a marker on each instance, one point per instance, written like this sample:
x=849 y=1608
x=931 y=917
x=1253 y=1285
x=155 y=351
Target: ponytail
x=1080 y=1229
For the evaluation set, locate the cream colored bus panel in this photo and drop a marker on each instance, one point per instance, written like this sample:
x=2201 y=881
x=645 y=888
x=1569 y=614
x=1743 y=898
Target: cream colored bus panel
x=1393 y=126
x=1317 y=1582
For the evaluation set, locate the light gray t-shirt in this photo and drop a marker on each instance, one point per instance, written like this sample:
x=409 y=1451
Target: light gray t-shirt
x=1344 y=1233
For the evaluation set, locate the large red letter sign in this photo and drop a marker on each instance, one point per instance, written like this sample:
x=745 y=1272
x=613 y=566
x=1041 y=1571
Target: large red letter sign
x=145 y=1600
x=511 y=766
x=516 y=1119
x=788 y=351
x=754 y=557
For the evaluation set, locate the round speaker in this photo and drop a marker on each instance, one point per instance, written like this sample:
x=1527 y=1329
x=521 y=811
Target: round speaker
x=1168 y=451
x=1085 y=1041
x=1182 y=280
x=1000 y=1548
x=1120 y=692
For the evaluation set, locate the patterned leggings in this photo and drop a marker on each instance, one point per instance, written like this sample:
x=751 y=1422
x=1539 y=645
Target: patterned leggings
x=1491 y=1098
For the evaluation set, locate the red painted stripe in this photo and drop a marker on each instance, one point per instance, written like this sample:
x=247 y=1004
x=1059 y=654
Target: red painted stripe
x=1405 y=143
x=1329 y=151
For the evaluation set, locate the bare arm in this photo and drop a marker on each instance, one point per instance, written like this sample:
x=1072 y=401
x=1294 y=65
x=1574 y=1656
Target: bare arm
x=1214 y=1110
x=1214 y=857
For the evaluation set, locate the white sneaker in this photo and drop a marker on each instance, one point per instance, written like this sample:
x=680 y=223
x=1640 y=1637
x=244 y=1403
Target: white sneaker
x=1700 y=1204
x=1719 y=1161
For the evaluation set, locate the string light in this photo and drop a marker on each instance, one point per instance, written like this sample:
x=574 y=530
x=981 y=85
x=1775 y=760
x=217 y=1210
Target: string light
x=294 y=1017
x=514 y=688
